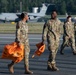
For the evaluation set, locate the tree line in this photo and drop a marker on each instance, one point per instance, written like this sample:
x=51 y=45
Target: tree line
x=62 y=6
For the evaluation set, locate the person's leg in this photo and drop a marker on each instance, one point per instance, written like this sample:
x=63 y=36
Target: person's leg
x=52 y=56
x=10 y=67
x=26 y=59
x=73 y=46
x=55 y=52
x=62 y=48
x=65 y=42
x=51 y=62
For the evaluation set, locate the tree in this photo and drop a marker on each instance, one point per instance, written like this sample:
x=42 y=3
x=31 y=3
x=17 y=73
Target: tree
x=63 y=8
x=61 y=5
x=4 y=5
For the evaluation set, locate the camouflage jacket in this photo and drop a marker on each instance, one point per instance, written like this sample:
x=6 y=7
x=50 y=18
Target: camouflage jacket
x=22 y=32
x=51 y=29
x=68 y=29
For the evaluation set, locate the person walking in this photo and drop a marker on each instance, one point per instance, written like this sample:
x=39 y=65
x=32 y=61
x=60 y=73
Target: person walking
x=52 y=32
x=68 y=36
x=22 y=38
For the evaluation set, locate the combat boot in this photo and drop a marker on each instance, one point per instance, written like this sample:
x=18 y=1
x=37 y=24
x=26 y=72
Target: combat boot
x=74 y=52
x=27 y=71
x=49 y=67
x=54 y=68
x=61 y=52
x=10 y=67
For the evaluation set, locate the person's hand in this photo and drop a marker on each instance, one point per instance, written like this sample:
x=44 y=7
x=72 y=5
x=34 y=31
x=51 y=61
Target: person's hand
x=43 y=42
x=18 y=44
x=69 y=36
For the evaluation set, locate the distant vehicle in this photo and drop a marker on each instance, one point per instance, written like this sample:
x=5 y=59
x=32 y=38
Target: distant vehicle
x=16 y=16
x=36 y=16
x=8 y=17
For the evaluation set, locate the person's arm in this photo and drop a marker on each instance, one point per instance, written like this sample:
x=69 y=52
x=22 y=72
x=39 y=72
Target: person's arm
x=73 y=27
x=66 y=29
x=59 y=27
x=44 y=33
x=18 y=35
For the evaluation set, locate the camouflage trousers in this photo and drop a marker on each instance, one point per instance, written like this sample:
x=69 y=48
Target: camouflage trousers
x=26 y=54
x=68 y=42
x=53 y=48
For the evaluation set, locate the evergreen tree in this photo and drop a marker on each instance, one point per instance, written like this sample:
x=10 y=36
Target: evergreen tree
x=3 y=6
x=61 y=5
x=63 y=8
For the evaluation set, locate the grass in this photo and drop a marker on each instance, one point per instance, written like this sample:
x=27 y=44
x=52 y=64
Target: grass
x=11 y=28
x=33 y=28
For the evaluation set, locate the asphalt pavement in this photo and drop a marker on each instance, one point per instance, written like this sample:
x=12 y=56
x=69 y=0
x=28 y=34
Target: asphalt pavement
x=66 y=63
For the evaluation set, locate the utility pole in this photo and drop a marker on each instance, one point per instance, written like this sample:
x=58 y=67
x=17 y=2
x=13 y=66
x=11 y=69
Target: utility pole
x=21 y=6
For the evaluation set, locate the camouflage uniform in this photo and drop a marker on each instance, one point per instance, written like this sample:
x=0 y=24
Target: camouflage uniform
x=22 y=37
x=68 y=36
x=52 y=30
